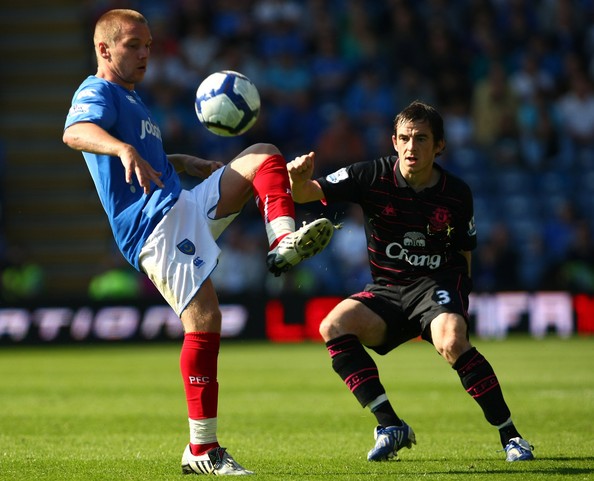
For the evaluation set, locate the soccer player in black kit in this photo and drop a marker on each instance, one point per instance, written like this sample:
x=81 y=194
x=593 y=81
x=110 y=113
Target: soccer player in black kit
x=420 y=231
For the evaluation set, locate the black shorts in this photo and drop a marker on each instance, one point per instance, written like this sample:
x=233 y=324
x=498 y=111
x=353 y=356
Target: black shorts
x=409 y=310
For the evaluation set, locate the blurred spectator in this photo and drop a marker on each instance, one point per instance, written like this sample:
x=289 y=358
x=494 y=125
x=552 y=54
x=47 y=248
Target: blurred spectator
x=576 y=121
x=232 y=20
x=412 y=85
x=340 y=144
x=199 y=48
x=530 y=79
x=21 y=277
x=559 y=232
x=459 y=128
x=359 y=39
x=494 y=108
x=277 y=29
x=369 y=102
x=538 y=125
x=241 y=266
x=167 y=65
x=117 y=280
x=297 y=125
x=496 y=262
x=284 y=77
x=564 y=23
x=576 y=271
x=406 y=38
x=187 y=13
x=330 y=71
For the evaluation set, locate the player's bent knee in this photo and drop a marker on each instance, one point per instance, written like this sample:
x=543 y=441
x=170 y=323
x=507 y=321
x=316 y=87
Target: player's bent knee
x=327 y=329
x=263 y=149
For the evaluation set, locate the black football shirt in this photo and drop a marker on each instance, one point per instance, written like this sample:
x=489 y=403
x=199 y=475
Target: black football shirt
x=409 y=234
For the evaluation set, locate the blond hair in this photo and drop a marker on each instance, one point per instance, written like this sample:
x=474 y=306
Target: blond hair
x=109 y=26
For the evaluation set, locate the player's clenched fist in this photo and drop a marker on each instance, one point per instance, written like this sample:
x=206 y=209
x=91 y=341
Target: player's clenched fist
x=303 y=188
x=301 y=168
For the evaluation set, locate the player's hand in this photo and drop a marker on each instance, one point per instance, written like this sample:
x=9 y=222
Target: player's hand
x=135 y=165
x=303 y=188
x=301 y=168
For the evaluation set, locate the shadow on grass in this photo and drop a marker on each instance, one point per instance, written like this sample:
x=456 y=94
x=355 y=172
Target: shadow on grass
x=542 y=468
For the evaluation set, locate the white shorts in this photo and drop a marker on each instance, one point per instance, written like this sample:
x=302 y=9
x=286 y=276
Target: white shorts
x=181 y=252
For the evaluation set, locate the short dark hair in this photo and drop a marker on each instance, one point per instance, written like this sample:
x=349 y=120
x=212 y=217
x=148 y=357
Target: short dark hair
x=109 y=26
x=418 y=111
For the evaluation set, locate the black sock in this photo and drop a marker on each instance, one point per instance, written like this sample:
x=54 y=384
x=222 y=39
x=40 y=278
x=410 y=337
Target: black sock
x=480 y=381
x=508 y=432
x=386 y=416
x=356 y=368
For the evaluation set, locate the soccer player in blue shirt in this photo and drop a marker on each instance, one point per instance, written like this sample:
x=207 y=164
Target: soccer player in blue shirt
x=170 y=233
x=420 y=232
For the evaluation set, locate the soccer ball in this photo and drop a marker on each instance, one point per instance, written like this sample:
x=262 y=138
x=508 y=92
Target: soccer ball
x=227 y=103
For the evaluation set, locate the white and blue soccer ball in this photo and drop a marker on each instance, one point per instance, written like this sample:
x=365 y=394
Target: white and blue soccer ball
x=227 y=103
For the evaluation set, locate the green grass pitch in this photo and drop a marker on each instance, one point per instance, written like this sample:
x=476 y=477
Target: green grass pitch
x=118 y=413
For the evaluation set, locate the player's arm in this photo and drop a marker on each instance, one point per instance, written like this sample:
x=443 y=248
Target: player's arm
x=303 y=187
x=89 y=137
x=195 y=166
x=468 y=256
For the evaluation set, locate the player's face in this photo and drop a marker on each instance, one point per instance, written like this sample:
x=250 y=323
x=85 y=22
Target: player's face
x=416 y=148
x=127 y=59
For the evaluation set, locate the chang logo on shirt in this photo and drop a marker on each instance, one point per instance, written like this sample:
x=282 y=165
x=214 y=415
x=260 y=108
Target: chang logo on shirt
x=147 y=127
x=397 y=251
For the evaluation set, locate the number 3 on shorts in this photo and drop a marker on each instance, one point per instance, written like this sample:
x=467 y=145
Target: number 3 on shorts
x=443 y=297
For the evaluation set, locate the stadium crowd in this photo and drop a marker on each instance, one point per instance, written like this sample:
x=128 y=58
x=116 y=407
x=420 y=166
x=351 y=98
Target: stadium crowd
x=513 y=80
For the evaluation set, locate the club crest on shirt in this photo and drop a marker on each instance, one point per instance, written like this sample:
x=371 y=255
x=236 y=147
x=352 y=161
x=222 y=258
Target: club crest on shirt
x=187 y=247
x=439 y=221
x=337 y=176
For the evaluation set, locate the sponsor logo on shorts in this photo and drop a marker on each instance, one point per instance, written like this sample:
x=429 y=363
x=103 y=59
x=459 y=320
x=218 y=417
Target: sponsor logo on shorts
x=187 y=247
x=198 y=262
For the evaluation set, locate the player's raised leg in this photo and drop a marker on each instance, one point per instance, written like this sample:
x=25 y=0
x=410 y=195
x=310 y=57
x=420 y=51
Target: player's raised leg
x=261 y=171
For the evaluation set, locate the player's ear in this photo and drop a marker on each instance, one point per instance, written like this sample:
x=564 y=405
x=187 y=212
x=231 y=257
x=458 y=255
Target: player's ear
x=103 y=50
x=440 y=147
x=394 y=141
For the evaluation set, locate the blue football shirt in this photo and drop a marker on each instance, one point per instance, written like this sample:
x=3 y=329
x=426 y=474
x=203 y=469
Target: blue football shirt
x=132 y=214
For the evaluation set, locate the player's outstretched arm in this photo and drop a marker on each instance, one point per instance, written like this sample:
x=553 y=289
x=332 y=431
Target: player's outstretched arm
x=195 y=166
x=88 y=137
x=303 y=187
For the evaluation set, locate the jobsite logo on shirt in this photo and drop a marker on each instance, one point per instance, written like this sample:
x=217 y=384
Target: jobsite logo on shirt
x=147 y=127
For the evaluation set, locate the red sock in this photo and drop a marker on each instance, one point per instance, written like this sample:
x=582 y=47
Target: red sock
x=273 y=197
x=198 y=364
